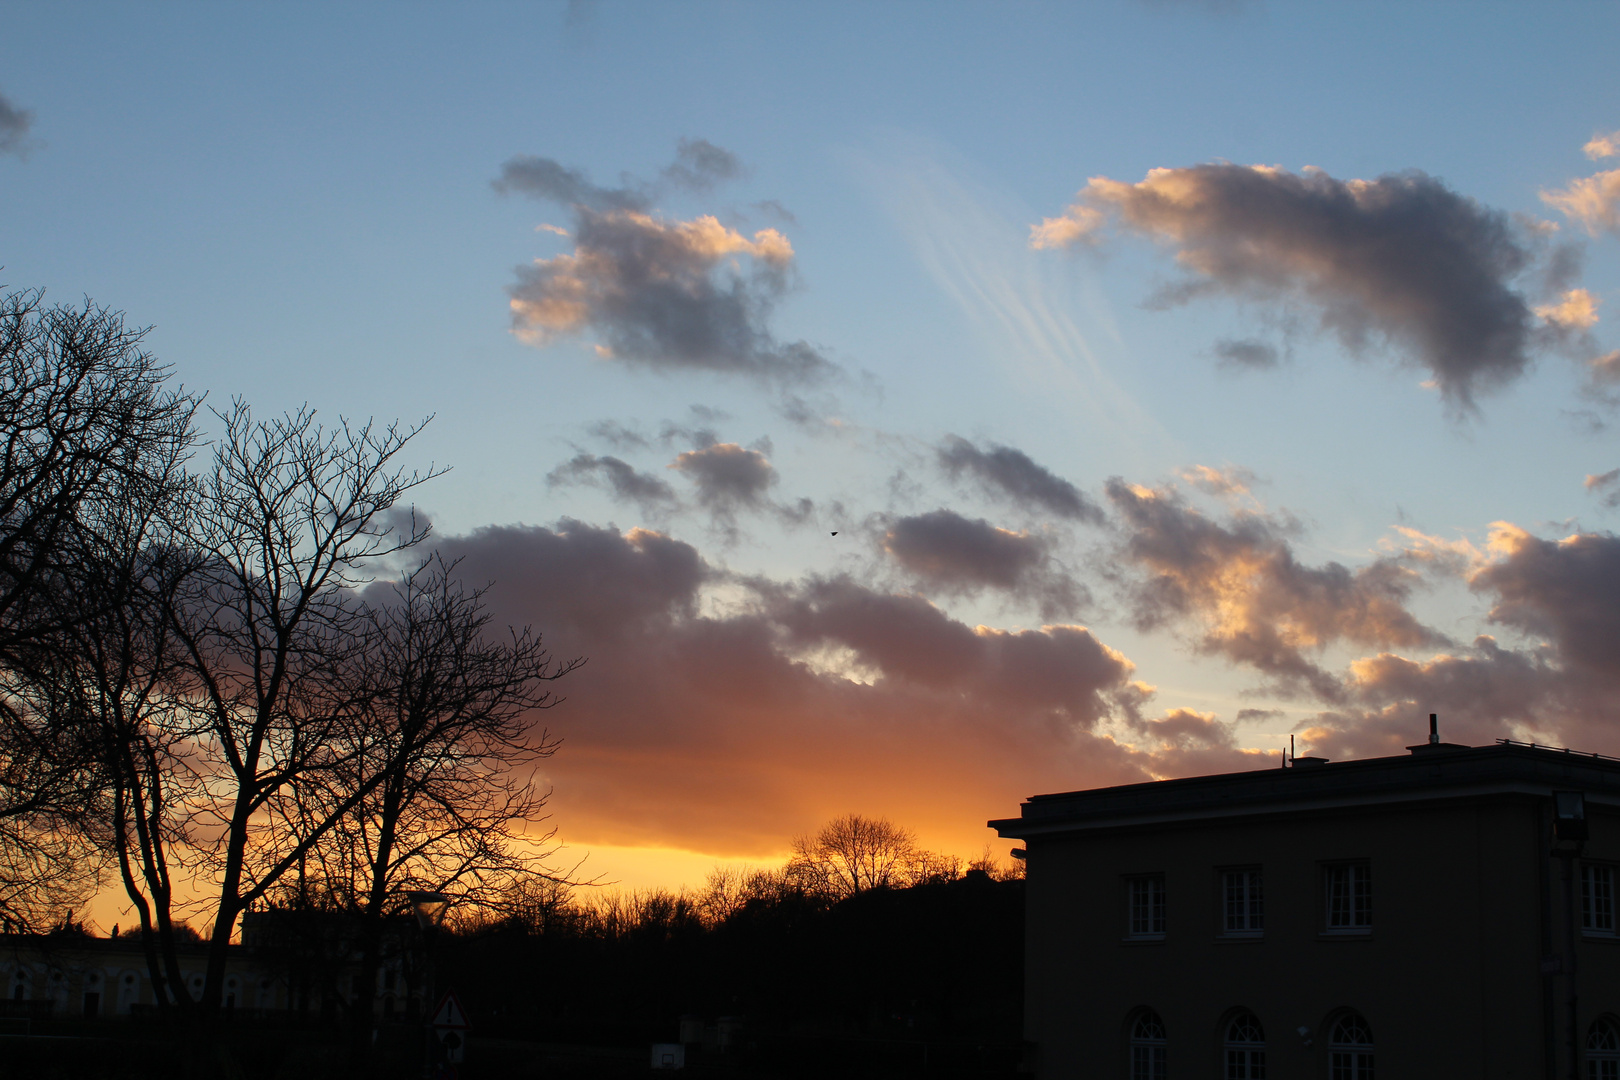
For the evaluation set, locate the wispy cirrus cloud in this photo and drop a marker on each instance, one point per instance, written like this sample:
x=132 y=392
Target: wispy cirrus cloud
x=1401 y=259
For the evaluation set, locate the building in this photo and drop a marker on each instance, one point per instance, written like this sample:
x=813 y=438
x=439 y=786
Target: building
x=1407 y=915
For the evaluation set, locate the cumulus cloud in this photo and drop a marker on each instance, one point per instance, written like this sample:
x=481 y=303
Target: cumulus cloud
x=729 y=727
x=658 y=293
x=727 y=475
x=954 y=554
x=1593 y=201
x=15 y=125
x=666 y=295
x=622 y=479
x=1249 y=599
x=1401 y=259
x=1562 y=598
x=1011 y=475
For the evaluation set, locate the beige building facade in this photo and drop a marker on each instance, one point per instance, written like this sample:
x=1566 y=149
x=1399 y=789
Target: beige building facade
x=1397 y=918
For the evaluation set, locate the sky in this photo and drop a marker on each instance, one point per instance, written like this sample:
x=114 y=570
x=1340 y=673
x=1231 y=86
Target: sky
x=907 y=408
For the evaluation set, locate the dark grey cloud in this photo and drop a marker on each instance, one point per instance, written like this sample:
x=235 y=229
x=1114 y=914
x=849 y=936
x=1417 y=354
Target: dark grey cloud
x=953 y=554
x=1010 y=474
x=1239 y=584
x=1246 y=353
x=728 y=731
x=699 y=165
x=667 y=296
x=15 y=125
x=728 y=477
x=1402 y=259
x=544 y=178
x=649 y=492
x=658 y=293
x=618 y=435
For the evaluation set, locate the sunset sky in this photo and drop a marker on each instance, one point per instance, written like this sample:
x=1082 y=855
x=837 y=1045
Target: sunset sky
x=908 y=408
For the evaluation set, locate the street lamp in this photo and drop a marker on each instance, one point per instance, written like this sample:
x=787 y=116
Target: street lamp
x=1569 y=837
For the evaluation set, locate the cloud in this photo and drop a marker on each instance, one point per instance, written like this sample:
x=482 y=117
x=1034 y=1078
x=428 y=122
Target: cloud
x=648 y=491
x=1011 y=475
x=728 y=477
x=1234 y=353
x=725 y=715
x=1603 y=146
x=15 y=125
x=700 y=165
x=666 y=295
x=1401 y=258
x=959 y=555
x=1594 y=201
x=1609 y=484
x=544 y=178
x=1232 y=480
x=1248 y=598
x=1562 y=685
x=1605 y=368
x=1576 y=311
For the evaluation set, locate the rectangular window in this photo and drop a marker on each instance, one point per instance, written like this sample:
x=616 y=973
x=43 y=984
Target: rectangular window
x=1146 y=904
x=1597 y=899
x=1348 y=890
x=1243 y=902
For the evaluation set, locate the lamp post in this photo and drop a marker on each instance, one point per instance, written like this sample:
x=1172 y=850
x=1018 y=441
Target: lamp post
x=1569 y=837
x=429 y=908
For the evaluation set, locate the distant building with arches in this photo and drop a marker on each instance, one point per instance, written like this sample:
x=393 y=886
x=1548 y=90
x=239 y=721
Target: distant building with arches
x=1390 y=917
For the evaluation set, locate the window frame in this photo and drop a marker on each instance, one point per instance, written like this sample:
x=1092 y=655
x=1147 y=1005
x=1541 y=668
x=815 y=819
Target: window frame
x=1353 y=869
x=1242 y=1059
x=1156 y=913
x=1254 y=922
x=1360 y=1059
x=1592 y=922
x=1146 y=1057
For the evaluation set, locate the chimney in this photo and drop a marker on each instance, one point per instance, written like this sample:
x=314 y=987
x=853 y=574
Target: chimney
x=1434 y=742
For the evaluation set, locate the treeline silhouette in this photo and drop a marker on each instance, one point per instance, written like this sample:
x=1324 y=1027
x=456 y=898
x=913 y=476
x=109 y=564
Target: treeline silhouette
x=793 y=970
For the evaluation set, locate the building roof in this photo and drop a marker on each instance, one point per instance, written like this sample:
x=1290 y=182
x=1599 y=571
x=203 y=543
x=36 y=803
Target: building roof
x=1429 y=773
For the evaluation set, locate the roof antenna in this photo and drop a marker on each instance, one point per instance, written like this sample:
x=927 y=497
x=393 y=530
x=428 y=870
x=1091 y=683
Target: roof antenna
x=1434 y=729
x=1290 y=748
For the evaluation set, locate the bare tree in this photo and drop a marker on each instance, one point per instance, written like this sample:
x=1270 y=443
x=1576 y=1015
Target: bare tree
x=853 y=854
x=92 y=454
x=444 y=750
x=264 y=675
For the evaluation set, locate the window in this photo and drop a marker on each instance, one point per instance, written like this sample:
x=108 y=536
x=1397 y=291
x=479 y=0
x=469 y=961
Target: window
x=1350 y=1049
x=1603 y=1051
x=1245 y=1048
x=1146 y=902
x=1148 y=1047
x=1348 y=890
x=1243 y=903
x=1597 y=899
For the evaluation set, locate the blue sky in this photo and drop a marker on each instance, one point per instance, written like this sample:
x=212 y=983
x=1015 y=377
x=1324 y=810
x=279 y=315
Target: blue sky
x=298 y=199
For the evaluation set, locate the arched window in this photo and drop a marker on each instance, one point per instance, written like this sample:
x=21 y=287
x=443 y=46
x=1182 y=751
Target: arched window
x=1147 y=1046
x=1350 y=1049
x=1245 y=1048
x=1603 y=1051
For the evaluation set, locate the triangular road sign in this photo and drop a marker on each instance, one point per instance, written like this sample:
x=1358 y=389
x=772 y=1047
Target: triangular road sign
x=450 y=1014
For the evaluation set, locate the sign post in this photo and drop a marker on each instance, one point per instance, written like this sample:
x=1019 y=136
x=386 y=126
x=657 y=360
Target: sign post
x=451 y=1025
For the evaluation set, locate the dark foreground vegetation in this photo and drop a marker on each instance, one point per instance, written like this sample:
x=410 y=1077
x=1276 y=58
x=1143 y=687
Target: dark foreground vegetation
x=233 y=669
